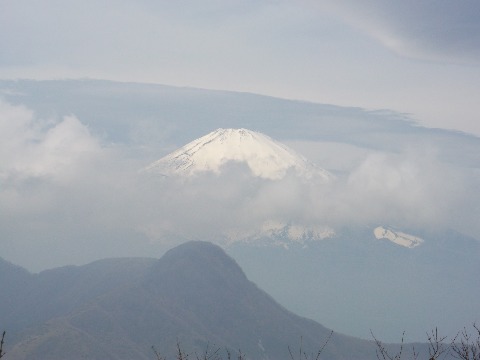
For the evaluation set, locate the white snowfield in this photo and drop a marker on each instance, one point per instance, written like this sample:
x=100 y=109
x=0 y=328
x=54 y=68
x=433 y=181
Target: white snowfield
x=265 y=157
x=275 y=233
x=399 y=238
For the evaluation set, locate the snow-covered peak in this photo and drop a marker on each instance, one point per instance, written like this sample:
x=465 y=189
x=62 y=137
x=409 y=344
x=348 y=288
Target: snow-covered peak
x=280 y=234
x=264 y=157
x=397 y=237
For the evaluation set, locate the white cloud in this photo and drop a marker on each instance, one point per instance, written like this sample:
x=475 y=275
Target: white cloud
x=412 y=190
x=58 y=189
x=62 y=189
x=35 y=148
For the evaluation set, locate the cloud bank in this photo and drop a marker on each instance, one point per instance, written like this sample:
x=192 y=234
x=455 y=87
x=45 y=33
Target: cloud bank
x=67 y=197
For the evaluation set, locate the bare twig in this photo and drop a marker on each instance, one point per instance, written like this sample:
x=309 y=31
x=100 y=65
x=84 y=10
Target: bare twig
x=1 y=345
x=181 y=355
x=382 y=351
x=157 y=354
x=466 y=348
x=436 y=346
x=303 y=354
x=325 y=344
x=208 y=355
x=240 y=356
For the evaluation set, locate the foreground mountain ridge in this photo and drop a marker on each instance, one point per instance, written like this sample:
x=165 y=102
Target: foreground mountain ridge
x=195 y=295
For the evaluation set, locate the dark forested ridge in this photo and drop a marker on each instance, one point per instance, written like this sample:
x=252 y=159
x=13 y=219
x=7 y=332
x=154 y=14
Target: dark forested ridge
x=119 y=308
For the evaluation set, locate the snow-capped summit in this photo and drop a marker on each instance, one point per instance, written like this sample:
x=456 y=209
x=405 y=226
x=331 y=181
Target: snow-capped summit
x=265 y=157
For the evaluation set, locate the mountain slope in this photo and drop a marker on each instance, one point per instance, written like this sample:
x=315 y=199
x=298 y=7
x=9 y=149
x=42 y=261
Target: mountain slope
x=196 y=295
x=385 y=286
x=14 y=283
x=264 y=157
x=56 y=292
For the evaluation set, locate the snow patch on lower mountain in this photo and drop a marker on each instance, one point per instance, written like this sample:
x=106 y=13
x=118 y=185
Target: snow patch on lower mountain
x=397 y=237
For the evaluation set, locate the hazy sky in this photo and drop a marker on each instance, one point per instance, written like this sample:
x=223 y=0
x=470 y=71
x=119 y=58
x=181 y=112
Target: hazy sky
x=417 y=57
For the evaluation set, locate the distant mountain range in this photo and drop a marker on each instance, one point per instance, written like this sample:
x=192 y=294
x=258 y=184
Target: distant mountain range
x=375 y=274
x=119 y=308
x=382 y=282
x=318 y=247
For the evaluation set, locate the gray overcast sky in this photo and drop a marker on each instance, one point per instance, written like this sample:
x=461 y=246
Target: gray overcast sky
x=417 y=57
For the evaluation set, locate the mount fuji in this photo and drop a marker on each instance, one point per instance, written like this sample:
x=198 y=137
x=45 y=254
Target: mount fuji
x=265 y=157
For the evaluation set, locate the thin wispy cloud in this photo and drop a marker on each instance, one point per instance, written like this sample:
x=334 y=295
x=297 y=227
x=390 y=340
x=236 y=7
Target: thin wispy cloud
x=440 y=31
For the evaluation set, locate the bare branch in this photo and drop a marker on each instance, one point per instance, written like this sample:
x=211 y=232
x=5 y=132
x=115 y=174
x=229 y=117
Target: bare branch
x=2 y=354
x=436 y=346
x=464 y=347
x=157 y=354
x=380 y=350
x=181 y=355
x=325 y=344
